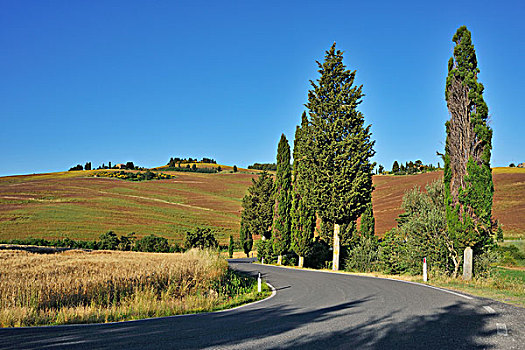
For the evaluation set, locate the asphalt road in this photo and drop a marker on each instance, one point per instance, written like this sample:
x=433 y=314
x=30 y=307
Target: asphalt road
x=311 y=310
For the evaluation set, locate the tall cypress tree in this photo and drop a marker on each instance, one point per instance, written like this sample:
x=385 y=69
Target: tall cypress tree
x=368 y=222
x=246 y=237
x=467 y=175
x=302 y=213
x=283 y=200
x=257 y=214
x=341 y=146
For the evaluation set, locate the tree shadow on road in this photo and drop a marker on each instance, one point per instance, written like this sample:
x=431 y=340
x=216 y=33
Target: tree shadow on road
x=458 y=326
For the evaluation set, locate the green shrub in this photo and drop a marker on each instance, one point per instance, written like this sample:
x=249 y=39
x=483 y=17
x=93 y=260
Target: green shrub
x=200 y=238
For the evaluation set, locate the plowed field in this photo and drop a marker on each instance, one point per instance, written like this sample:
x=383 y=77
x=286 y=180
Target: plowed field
x=74 y=205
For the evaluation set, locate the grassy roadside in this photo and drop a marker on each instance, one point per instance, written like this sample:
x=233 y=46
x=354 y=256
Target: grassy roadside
x=103 y=286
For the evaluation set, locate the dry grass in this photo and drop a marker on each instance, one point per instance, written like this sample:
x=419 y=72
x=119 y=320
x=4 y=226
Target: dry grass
x=82 y=287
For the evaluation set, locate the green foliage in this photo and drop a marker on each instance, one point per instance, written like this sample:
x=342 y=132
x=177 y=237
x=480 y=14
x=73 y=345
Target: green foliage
x=363 y=254
x=231 y=247
x=246 y=237
x=200 y=238
x=76 y=168
x=511 y=255
x=319 y=255
x=302 y=213
x=499 y=234
x=283 y=201
x=395 y=167
x=421 y=233
x=341 y=146
x=362 y=248
x=411 y=167
x=265 y=251
x=263 y=166
x=108 y=241
x=368 y=222
x=189 y=169
x=152 y=244
x=257 y=214
x=391 y=248
x=469 y=204
x=126 y=175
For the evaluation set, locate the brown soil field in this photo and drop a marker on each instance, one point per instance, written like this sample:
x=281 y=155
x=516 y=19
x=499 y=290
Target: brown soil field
x=75 y=205
x=508 y=207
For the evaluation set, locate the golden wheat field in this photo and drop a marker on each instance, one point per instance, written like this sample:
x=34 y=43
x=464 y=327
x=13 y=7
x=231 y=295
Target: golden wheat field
x=101 y=286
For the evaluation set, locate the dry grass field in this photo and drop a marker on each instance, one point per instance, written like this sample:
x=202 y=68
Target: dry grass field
x=101 y=286
x=74 y=205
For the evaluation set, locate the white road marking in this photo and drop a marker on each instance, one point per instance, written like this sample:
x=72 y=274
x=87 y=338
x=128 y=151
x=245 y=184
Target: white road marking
x=502 y=329
x=489 y=309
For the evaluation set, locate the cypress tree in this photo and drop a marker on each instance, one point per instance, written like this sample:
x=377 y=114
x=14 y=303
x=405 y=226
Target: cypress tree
x=245 y=237
x=283 y=200
x=257 y=214
x=467 y=174
x=230 y=247
x=341 y=146
x=303 y=215
x=368 y=222
x=395 y=167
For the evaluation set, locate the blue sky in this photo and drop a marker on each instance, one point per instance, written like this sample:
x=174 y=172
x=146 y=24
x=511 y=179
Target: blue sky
x=144 y=81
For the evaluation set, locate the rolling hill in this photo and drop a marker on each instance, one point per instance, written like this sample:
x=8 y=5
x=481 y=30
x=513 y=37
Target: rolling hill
x=79 y=206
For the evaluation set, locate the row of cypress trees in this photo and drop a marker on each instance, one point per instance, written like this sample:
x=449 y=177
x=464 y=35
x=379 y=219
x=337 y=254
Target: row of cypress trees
x=331 y=177
x=332 y=172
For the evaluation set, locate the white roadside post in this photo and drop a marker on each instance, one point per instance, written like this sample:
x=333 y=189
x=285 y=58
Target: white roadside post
x=259 y=283
x=425 y=269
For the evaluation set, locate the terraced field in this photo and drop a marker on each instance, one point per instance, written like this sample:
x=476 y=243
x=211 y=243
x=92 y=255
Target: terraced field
x=78 y=206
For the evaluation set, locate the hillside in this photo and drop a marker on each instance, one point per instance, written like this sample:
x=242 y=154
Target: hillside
x=74 y=205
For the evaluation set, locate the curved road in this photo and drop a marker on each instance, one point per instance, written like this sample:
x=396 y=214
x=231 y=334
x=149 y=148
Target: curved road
x=311 y=310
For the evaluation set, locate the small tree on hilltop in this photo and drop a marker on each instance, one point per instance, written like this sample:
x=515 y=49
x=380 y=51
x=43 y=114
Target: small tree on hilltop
x=235 y=168
x=341 y=146
x=283 y=200
x=395 y=167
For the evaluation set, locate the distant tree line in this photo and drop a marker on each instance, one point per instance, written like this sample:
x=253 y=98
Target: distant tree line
x=412 y=168
x=197 y=238
x=87 y=166
x=175 y=161
x=193 y=169
x=263 y=166
x=138 y=176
